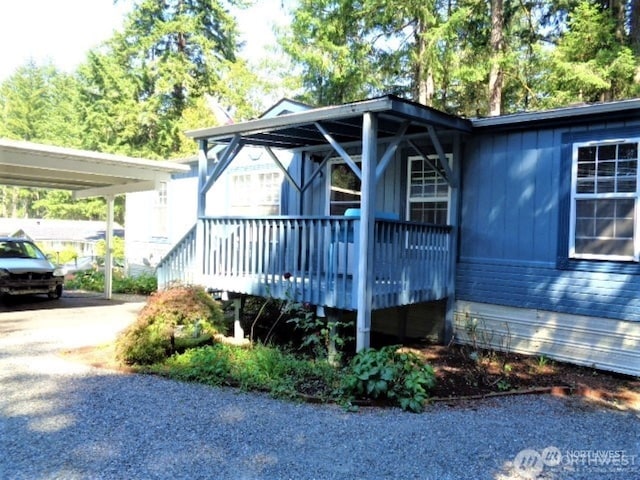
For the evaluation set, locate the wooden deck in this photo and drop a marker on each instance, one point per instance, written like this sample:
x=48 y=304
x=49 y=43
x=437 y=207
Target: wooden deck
x=312 y=259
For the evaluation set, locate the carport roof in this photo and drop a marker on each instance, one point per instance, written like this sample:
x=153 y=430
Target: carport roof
x=85 y=173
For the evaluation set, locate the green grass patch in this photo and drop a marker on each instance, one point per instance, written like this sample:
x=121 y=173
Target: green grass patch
x=258 y=367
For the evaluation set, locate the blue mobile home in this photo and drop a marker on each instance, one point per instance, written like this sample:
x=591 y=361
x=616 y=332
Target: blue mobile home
x=519 y=230
x=550 y=233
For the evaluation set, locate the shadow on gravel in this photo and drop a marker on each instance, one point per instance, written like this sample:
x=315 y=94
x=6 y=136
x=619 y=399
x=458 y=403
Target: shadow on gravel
x=133 y=426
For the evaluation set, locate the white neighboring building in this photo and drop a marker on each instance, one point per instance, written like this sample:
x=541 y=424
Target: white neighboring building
x=252 y=185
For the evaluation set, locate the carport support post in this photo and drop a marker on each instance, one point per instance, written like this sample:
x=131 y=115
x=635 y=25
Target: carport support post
x=108 y=249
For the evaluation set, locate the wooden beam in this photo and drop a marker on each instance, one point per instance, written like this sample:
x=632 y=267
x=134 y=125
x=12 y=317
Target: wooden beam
x=441 y=156
x=341 y=151
x=431 y=164
x=391 y=150
x=227 y=157
x=286 y=173
x=316 y=172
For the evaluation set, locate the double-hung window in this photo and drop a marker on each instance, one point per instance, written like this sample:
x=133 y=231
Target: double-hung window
x=255 y=193
x=428 y=192
x=604 y=201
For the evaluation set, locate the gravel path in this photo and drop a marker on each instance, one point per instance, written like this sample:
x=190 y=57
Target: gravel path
x=64 y=420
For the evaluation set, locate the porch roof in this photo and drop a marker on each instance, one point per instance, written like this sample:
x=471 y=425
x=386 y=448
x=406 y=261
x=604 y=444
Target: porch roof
x=342 y=122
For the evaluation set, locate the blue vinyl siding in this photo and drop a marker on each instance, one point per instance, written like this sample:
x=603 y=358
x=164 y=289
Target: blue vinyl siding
x=514 y=222
x=545 y=287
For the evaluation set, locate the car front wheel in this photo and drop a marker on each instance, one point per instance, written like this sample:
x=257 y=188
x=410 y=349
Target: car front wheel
x=56 y=294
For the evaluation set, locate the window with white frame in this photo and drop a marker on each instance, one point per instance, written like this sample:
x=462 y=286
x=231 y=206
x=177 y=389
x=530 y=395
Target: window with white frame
x=256 y=193
x=428 y=191
x=604 y=200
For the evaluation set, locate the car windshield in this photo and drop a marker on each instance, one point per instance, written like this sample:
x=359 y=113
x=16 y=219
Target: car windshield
x=19 y=249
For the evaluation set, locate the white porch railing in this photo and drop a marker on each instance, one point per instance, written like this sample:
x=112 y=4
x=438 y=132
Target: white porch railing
x=178 y=265
x=314 y=259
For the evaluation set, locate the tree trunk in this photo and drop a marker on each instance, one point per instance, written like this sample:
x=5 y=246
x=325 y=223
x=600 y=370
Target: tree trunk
x=424 y=83
x=634 y=23
x=496 y=75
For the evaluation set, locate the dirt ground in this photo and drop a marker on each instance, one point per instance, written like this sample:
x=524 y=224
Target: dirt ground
x=462 y=376
x=463 y=373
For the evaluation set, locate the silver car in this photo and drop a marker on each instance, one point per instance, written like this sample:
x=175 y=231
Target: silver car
x=25 y=270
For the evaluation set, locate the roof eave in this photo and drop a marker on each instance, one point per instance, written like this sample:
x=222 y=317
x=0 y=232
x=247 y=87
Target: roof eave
x=556 y=117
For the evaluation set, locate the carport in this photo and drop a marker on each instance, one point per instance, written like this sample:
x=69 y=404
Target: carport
x=85 y=174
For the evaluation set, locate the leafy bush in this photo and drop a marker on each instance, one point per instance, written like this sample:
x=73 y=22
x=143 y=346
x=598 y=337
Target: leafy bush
x=180 y=311
x=259 y=367
x=93 y=281
x=390 y=374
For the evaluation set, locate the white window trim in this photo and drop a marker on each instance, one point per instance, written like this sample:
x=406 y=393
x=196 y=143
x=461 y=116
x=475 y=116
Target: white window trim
x=434 y=159
x=572 y=216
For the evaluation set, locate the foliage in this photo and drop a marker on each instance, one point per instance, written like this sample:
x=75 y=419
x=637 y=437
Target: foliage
x=179 y=311
x=93 y=281
x=68 y=254
x=42 y=105
x=589 y=63
x=446 y=54
x=148 y=82
x=256 y=368
x=117 y=246
x=482 y=352
x=389 y=373
x=323 y=337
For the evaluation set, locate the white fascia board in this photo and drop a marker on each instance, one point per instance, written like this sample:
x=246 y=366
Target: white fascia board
x=119 y=189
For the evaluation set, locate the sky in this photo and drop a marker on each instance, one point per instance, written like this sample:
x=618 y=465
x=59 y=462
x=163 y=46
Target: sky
x=63 y=31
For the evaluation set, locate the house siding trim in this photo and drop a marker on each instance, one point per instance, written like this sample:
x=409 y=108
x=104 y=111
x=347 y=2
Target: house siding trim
x=603 y=343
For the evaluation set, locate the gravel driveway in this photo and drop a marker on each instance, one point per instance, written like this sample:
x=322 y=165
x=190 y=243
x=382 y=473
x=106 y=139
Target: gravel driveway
x=64 y=420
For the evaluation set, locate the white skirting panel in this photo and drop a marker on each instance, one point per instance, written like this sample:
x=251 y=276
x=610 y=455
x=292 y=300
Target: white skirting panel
x=602 y=343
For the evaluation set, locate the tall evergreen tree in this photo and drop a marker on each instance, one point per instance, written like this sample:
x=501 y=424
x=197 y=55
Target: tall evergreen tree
x=142 y=84
x=590 y=62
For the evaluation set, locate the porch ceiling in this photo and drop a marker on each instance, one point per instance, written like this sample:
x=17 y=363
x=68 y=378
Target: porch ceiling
x=343 y=123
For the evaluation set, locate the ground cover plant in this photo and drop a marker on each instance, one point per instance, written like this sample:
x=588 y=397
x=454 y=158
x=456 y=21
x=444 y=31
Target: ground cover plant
x=408 y=377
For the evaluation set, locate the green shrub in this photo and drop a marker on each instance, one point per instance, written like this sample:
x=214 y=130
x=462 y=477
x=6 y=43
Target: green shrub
x=391 y=374
x=184 y=311
x=259 y=367
x=93 y=281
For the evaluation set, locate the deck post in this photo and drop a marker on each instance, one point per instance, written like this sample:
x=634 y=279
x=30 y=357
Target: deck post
x=454 y=221
x=238 y=331
x=366 y=230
